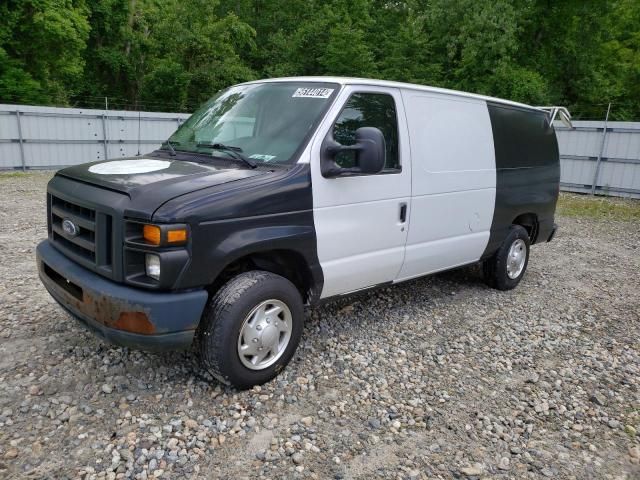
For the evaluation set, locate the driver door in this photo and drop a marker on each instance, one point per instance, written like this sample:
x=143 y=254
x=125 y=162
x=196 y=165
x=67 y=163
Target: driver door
x=361 y=221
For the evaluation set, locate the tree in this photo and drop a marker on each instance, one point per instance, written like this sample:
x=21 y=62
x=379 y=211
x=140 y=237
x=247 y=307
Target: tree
x=172 y=54
x=42 y=47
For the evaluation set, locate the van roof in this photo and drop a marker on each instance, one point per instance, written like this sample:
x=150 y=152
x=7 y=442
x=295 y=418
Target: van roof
x=391 y=84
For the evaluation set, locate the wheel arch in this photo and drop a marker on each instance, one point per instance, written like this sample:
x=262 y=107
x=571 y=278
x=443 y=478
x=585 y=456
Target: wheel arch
x=529 y=221
x=286 y=262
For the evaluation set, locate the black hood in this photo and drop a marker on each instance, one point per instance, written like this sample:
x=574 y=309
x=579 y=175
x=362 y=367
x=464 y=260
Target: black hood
x=160 y=178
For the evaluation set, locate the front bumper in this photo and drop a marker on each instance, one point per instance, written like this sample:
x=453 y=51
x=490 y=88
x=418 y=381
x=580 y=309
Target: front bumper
x=117 y=313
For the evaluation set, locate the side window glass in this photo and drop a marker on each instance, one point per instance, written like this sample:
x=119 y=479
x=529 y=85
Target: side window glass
x=368 y=110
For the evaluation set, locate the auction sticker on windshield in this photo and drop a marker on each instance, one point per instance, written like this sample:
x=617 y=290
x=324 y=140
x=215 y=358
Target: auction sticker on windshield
x=312 y=93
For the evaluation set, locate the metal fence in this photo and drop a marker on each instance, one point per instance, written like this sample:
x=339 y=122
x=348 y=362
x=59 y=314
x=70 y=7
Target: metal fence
x=596 y=157
x=602 y=158
x=48 y=138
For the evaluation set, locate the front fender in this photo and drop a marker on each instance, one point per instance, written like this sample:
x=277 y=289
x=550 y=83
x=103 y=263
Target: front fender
x=217 y=244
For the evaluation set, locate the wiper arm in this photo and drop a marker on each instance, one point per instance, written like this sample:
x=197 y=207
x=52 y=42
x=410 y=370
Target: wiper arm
x=235 y=152
x=169 y=143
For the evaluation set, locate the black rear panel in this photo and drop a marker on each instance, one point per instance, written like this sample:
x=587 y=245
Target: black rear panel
x=527 y=170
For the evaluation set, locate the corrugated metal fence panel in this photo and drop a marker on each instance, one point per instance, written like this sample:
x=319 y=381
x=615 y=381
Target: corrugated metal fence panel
x=619 y=167
x=54 y=137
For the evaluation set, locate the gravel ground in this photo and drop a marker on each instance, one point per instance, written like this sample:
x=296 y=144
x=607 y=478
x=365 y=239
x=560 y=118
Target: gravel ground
x=437 y=378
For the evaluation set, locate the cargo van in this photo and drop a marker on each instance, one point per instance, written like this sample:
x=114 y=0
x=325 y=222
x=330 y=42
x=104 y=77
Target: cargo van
x=279 y=194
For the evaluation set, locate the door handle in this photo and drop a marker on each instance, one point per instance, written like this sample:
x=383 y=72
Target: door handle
x=403 y=212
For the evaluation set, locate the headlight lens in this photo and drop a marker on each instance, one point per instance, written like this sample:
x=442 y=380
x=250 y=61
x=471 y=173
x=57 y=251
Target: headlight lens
x=152 y=265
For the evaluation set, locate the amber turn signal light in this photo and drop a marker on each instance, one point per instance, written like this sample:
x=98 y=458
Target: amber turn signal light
x=151 y=234
x=177 y=236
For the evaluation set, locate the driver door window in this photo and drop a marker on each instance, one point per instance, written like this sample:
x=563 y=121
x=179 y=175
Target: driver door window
x=368 y=110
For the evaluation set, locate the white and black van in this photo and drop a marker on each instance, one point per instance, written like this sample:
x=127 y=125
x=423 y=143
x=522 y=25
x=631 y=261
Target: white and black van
x=281 y=193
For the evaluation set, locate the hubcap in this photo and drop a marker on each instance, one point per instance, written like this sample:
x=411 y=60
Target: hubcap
x=516 y=258
x=264 y=334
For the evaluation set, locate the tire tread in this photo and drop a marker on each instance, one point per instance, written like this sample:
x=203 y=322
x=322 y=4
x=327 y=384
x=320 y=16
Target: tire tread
x=211 y=336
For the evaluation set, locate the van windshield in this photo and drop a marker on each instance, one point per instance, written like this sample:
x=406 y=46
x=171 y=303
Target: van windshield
x=265 y=122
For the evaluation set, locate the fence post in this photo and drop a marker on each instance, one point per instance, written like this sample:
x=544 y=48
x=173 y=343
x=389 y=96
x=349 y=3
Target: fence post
x=599 y=159
x=104 y=136
x=139 y=119
x=21 y=141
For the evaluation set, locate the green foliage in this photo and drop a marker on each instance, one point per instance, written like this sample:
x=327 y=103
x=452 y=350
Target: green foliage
x=41 y=47
x=174 y=54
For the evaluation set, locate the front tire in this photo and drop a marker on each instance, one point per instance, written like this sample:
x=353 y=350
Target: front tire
x=505 y=269
x=250 y=329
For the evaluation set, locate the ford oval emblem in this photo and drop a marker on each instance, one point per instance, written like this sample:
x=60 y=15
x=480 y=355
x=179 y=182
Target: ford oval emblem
x=70 y=228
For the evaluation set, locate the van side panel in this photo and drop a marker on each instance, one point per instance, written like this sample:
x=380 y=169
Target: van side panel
x=527 y=171
x=453 y=182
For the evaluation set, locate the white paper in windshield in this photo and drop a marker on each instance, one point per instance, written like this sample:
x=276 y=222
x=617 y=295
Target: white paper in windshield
x=312 y=93
x=260 y=156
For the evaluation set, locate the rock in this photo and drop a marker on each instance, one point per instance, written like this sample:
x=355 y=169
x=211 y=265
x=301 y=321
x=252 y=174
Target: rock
x=34 y=390
x=11 y=453
x=172 y=444
x=598 y=398
x=297 y=458
x=106 y=388
x=634 y=452
x=614 y=424
x=270 y=456
x=471 y=471
x=307 y=421
x=532 y=378
x=374 y=423
x=503 y=464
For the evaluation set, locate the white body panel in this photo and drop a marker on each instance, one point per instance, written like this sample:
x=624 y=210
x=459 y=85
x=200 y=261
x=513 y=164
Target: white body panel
x=448 y=182
x=453 y=181
x=360 y=238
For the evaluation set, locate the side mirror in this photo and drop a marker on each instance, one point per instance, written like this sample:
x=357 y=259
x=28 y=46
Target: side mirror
x=370 y=153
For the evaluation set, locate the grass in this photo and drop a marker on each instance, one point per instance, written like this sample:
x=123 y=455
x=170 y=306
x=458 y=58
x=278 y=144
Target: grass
x=601 y=208
x=12 y=174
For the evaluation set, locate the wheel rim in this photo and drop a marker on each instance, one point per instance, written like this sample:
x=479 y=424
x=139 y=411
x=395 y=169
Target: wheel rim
x=265 y=334
x=516 y=258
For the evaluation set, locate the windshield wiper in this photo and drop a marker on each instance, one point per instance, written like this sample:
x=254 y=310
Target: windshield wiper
x=169 y=143
x=235 y=152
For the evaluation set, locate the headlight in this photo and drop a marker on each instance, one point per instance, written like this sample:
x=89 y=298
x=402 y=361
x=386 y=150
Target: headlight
x=152 y=265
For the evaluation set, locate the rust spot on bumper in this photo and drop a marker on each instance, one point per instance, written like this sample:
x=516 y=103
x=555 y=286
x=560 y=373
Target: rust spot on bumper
x=136 y=322
x=115 y=313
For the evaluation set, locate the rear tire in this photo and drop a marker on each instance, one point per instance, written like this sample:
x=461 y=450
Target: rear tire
x=505 y=269
x=250 y=329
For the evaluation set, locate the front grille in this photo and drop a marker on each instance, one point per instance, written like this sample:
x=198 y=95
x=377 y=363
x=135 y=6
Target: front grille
x=92 y=243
